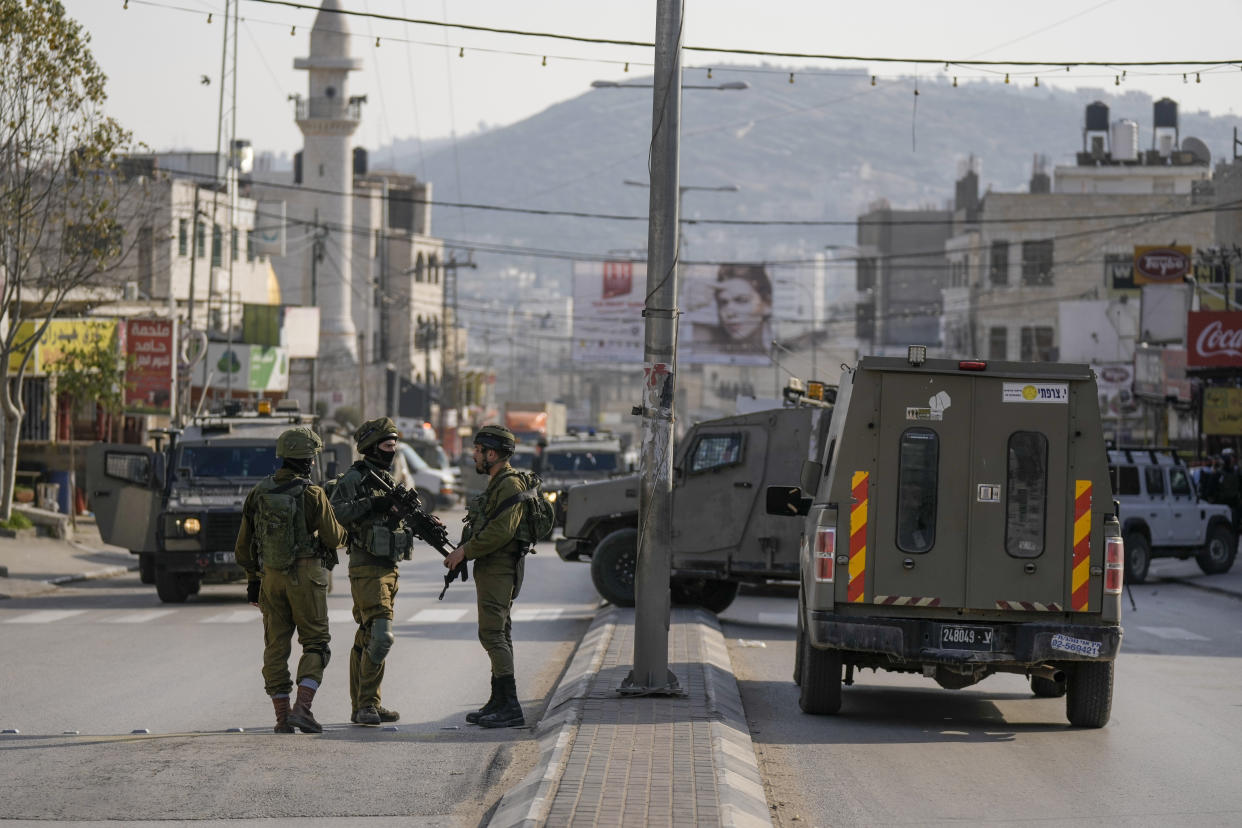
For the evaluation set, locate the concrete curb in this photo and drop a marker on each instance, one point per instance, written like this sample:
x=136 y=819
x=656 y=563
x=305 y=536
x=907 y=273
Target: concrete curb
x=739 y=786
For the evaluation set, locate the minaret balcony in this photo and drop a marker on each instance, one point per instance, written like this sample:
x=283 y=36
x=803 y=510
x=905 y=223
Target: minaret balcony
x=328 y=109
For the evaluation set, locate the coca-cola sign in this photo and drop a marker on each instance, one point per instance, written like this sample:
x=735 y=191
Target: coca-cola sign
x=1161 y=265
x=1214 y=339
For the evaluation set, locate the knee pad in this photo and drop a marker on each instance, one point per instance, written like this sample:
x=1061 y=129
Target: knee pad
x=381 y=640
x=322 y=650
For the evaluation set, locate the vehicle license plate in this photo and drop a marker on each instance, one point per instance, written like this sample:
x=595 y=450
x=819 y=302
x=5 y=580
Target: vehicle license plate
x=225 y=558
x=956 y=637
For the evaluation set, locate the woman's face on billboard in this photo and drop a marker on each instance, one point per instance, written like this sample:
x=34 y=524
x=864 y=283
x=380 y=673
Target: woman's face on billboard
x=741 y=309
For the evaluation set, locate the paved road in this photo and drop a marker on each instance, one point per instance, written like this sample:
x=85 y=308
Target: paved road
x=904 y=751
x=105 y=658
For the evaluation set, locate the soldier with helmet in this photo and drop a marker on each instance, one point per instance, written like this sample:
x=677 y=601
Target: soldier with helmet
x=378 y=541
x=490 y=541
x=287 y=528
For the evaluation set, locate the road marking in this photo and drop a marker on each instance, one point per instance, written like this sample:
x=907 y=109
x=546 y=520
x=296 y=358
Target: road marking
x=235 y=617
x=43 y=616
x=341 y=616
x=779 y=619
x=437 y=616
x=1174 y=634
x=537 y=614
x=139 y=617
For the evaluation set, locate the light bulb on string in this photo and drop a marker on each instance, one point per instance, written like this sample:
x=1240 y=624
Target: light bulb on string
x=1197 y=78
x=791 y=74
x=208 y=17
x=461 y=52
x=873 y=80
x=1116 y=80
x=377 y=43
x=293 y=30
x=1006 y=77
x=709 y=73
x=545 y=61
x=955 y=81
x=627 y=66
x=1037 y=80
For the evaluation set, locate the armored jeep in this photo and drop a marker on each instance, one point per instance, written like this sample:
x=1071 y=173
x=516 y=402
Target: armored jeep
x=572 y=459
x=1162 y=514
x=958 y=523
x=721 y=535
x=177 y=505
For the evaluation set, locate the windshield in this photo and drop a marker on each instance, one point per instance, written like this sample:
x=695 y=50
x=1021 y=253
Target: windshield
x=522 y=460
x=432 y=454
x=226 y=461
x=580 y=461
x=416 y=463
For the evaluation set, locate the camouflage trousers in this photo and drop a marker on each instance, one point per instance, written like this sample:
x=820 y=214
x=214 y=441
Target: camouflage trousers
x=294 y=599
x=495 y=581
x=374 y=589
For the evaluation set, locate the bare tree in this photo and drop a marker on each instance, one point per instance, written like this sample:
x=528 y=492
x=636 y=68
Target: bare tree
x=61 y=189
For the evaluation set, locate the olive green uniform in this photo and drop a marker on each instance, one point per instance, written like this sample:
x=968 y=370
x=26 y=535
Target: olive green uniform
x=296 y=598
x=496 y=552
x=376 y=544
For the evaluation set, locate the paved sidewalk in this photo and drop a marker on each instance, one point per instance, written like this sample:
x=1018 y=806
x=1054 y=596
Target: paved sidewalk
x=643 y=761
x=33 y=564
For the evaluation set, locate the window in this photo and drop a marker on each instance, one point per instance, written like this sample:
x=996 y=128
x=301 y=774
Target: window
x=1026 y=494
x=250 y=246
x=200 y=239
x=998 y=343
x=1037 y=345
x=1179 y=483
x=235 y=248
x=1125 y=480
x=715 y=451
x=1153 y=476
x=183 y=237
x=917 y=480
x=146 y=276
x=580 y=460
x=1037 y=262
x=998 y=264
x=217 y=245
x=136 y=468
x=864 y=274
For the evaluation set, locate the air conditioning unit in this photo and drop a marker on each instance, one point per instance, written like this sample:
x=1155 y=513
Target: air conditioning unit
x=130 y=292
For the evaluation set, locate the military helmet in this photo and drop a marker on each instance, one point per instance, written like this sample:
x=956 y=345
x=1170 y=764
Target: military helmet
x=496 y=437
x=373 y=432
x=299 y=443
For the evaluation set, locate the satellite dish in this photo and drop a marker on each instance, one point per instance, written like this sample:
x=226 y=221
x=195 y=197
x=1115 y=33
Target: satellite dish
x=1198 y=149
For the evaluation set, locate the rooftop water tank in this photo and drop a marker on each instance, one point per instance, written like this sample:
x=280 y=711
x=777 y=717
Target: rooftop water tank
x=1164 y=113
x=1097 y=117
x=1124 y=141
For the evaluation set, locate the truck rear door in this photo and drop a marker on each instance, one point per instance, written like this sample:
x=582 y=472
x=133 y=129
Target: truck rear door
x=1021 y=512
x=125 y=494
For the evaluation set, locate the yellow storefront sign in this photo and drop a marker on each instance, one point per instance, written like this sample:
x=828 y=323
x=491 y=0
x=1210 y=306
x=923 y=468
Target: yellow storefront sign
x=61 y=335
x=1222 y=411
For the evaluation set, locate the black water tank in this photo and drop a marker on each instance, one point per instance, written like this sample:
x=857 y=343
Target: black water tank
x=1165 y=113
x=360 y=161
x=1097 y=117
x=297 y=167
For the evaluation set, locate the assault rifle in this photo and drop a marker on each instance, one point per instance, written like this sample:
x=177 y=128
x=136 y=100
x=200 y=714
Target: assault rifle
x=425 y=527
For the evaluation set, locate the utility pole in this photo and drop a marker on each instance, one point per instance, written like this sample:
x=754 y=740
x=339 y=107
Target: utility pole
x=316 y=256
x=448 y=314
x=650 y=674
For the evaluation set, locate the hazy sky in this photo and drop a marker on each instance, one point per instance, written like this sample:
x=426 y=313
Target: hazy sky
x=156 y=53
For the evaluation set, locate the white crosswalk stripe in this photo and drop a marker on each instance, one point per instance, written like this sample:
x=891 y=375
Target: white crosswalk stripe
x=1174 y=634
x=235 y=617
x=438 y=616
x=537 y=613
x=138 y=617
x=43 y=616
x=779 y=619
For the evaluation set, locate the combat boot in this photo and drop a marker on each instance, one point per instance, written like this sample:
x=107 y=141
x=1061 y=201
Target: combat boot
x=509 y=713
x=300 y=716
x=387 y=715
x=493 y=703
x=366 y=716
x=281 y=704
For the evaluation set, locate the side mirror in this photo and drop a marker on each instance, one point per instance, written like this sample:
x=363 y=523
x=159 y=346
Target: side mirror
x=786 y=501
x=812 y=472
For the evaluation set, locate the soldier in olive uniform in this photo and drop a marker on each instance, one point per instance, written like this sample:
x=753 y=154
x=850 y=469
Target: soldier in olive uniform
x=490 y=541
x=286 y=577
x=378 y=541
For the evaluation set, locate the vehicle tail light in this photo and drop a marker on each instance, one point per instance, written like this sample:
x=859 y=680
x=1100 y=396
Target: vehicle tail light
x=1114 y=555
x=825 y=552
x=972 y=365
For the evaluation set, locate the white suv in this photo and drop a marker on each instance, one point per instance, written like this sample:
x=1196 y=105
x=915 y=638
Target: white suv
x=1162 y=516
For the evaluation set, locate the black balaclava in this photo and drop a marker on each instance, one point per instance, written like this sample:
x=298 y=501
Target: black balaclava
x=381 y=457
x=300 y=466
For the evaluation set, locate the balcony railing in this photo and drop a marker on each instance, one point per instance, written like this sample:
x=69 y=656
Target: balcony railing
x=334 y=109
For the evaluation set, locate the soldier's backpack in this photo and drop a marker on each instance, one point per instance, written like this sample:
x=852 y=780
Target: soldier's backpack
x=538 y=516
x=280 y=535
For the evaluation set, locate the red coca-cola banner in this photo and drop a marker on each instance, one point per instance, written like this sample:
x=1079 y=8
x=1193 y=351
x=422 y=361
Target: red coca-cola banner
x=1214 y=339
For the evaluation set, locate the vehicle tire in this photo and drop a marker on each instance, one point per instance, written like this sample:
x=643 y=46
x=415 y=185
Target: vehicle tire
x=1219 y=551
x=146 y=568
x=1046 y=688
x=709 y=593
x=612 y=566
x=1138 y=557
x=821 y=680
x=171 y=587
x=800 y=641
x=192 y=583
x=1089 y=696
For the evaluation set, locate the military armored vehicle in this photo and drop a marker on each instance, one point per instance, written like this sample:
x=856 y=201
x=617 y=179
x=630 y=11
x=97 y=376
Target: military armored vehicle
x=958 y=523
x=1162 y=514
x=721 y=535
x=177 y=505
x=569 y=460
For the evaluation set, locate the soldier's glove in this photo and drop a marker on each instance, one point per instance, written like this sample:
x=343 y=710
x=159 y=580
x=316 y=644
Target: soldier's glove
x=381 y=504
x=252 y=591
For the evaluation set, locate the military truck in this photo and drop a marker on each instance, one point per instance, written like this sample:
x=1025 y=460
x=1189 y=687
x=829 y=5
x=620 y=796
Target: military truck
x=959 y=523
x=177 y=505
x=571 y=459
x=721 y=535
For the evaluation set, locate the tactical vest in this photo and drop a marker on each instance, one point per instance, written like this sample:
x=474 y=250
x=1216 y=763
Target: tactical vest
x=537 y=514
x=280 y=533
x=379 y=536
